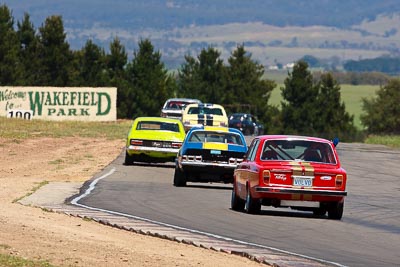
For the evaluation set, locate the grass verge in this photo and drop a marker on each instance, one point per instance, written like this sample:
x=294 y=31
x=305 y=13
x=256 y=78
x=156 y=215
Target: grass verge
x=20 y=129
x=387 y=140
x=14 y=261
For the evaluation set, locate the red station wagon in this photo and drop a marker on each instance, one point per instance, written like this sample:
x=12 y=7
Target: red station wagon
x=298 y=172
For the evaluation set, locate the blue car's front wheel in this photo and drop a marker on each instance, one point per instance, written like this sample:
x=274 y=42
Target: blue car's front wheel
x=179 y=178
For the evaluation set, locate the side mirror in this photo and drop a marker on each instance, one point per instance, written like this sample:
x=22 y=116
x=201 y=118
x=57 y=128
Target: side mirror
x=335 y=141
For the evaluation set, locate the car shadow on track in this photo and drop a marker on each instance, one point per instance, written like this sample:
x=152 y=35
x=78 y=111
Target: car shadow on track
x=155 y=165
x=289 y=214
x=210 y=186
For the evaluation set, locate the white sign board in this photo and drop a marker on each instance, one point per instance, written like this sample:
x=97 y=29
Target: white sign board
x=59 y=103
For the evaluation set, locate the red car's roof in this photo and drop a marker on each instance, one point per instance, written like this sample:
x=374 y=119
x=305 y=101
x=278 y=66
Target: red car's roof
x=294 y=137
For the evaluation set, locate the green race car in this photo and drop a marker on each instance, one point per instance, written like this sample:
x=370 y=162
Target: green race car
x=154 y=139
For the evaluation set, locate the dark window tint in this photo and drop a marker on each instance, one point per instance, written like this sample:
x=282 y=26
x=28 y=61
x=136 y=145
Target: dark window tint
x=216 y=137
x=156 y=125
x=300 y=150
x=251 y=153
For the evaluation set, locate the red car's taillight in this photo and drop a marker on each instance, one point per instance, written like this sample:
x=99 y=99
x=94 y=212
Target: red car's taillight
x=266 y=176
x=136 y=142
x=339 y=181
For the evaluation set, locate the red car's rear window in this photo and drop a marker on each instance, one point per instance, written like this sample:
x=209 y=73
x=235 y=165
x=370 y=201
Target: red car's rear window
x=301 y=150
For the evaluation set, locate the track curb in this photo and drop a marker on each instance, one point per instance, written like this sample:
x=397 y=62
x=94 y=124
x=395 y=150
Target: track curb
x=59 y=203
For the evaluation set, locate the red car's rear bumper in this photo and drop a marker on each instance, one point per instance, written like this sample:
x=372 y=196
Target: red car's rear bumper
x=275 y=190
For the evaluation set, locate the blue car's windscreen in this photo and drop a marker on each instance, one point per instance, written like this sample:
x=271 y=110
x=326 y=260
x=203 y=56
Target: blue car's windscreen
x=217 y=137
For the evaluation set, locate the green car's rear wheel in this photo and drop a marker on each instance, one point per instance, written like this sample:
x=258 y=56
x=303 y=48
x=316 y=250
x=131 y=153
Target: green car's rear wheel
x=128 y=159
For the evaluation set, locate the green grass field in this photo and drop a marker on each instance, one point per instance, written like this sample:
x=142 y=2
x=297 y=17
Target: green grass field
x=351 y=95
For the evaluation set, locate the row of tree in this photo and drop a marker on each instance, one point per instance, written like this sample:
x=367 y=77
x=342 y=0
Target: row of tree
x=43 y=58
x=357 y=78
x=388 y=65
x=363 y=71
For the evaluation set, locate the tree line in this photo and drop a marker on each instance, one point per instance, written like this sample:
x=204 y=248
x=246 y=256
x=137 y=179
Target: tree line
x=364 y=71
x=384 y=64
x=357 y=78
x=30 y=57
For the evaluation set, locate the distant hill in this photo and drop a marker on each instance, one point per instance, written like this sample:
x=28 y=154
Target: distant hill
x=274 y=31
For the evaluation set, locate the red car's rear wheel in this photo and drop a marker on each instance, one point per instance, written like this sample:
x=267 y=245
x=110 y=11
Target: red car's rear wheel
x=252 y=206
x=236 y=202
x=335 y=211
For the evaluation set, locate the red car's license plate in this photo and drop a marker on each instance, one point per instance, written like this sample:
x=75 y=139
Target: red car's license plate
x=307 y=182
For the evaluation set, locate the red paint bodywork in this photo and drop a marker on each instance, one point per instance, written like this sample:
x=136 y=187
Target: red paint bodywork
x=271 y=181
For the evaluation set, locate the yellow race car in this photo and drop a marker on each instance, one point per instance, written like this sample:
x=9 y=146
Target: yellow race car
x=154 y=139
x=204 y=115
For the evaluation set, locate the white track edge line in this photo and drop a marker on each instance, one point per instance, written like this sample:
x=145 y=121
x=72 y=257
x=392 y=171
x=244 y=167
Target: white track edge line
x=93 y=185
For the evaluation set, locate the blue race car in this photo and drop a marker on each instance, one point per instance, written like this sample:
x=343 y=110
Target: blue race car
x=209 y=154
